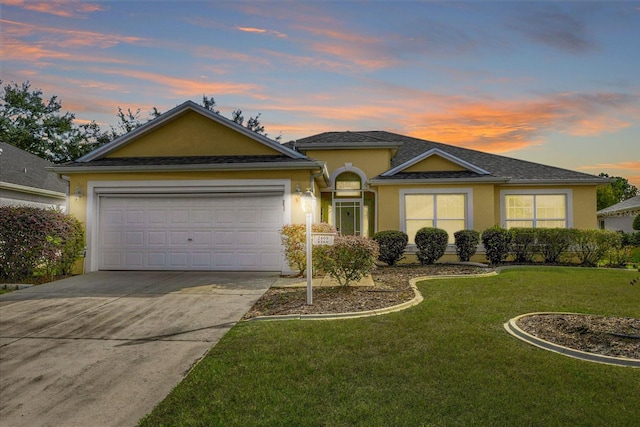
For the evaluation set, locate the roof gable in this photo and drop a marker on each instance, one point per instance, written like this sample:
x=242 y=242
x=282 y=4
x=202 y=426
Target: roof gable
x=190 y=130
x=435 y=160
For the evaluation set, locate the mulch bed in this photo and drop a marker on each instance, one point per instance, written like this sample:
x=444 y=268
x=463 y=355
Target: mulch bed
x=391 y=288
x=607 y=336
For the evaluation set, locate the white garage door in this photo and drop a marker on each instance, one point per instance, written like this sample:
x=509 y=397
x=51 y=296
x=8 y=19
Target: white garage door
x=190 y=233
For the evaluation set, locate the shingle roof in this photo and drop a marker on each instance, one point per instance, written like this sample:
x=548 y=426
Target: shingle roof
x=630 y=204
x=499 y=167
x=23 y=168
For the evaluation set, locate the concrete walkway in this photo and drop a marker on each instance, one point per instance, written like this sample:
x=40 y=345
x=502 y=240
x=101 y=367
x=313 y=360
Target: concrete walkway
x=104 y=348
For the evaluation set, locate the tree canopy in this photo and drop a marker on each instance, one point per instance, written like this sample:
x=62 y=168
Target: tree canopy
x=618 y=190
x=39 y=126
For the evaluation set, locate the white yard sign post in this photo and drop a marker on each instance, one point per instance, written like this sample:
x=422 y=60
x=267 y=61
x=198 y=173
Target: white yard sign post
x=308 y=206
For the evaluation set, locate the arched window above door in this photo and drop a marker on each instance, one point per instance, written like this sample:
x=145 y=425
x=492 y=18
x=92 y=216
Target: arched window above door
x=348 y=184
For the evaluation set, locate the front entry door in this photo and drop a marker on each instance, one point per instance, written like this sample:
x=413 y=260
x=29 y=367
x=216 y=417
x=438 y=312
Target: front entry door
x=349 y=217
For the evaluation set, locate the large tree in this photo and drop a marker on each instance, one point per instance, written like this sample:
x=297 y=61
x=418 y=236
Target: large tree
x=616 y=191
x=39 y=126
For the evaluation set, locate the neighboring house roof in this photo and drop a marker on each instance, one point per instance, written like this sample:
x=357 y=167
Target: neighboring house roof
x=630 y=206
x=480 y=166
x=24 y=172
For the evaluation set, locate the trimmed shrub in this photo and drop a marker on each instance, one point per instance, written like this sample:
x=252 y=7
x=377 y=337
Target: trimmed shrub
x=293 y=239
x=466 y=243
x=37 y=242
x=636 y=223
x=618 y=257
x=592 y=245
x=431 y=243
x=497 y=241
x=392 y=244
x=349 y=259
x=554 y=242
x=524 y=244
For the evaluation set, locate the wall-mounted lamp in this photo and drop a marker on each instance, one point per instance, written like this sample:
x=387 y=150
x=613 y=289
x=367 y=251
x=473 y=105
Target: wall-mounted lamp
x=298 y=192
x=78 y=194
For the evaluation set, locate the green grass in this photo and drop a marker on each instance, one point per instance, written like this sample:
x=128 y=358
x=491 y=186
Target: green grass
x=445 y=362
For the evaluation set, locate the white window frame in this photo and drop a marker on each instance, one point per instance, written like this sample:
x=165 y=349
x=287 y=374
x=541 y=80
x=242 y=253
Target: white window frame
x=467 y=192
x=568 y=193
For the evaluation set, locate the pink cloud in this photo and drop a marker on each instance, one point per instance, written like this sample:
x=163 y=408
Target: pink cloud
x=186 y=87
x=261 y=31
x=62 y=8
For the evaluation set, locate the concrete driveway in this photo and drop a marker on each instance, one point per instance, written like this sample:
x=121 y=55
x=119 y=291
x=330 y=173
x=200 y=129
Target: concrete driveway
x=104 y=348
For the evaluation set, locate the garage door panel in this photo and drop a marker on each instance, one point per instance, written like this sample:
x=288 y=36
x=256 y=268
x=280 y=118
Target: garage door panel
x=201 y=233
x=156 y=260
x=156 y=237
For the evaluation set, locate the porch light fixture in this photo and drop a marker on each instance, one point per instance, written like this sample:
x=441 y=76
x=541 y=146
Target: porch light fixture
x=308 y=206
x=298 y=192
x=78 y=194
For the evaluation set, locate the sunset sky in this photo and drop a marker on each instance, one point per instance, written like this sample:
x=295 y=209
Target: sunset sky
x=551 y=82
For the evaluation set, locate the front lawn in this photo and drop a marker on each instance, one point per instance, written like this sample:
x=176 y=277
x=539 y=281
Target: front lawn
x=447 y=361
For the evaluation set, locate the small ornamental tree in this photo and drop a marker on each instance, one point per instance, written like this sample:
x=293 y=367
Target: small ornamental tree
x=293 y=238
x=466 y=243
x=392 y=245
x=349 y=259
x=636 y=223
x=497 y=241
x=431 y=243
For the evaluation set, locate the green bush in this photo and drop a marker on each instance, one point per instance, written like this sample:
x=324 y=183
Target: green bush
x=293 y=238
x=392 y=245
x=466 y=243
x=618 y=257
x=349 y=258
x=524 y=244
x=37 y=242
x=631 y=239
x=636 y=223
x=592 y=245
x=431 y=243
x=554 y=242
x=497 y=241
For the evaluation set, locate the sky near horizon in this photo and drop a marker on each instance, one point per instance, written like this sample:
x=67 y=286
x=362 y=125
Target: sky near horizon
x=551 y=82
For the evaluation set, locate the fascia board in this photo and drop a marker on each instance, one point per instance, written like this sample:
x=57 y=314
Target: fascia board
x=436 y=152
x=345 y=145
x=170 y=115
x=594 y=181
x=484 y=180
x=32 y=190
x=188 y=168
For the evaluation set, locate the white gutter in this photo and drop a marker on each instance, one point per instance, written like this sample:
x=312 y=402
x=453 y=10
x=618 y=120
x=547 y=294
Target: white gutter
x=32 y=190
x=187 y=168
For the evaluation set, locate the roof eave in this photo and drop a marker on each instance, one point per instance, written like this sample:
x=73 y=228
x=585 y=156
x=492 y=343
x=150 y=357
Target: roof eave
x=189 y=168
x=481 y=180
x=32 y=190
x=564 y=181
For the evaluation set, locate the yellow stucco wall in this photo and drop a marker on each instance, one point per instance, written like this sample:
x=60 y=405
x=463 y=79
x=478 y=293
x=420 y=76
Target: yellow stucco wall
x=434 y=163
x=192 y=134
x=372 y=162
